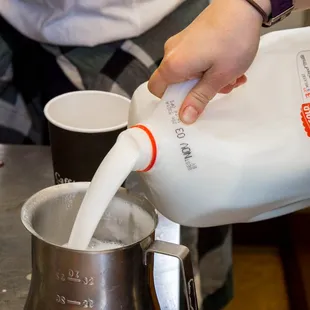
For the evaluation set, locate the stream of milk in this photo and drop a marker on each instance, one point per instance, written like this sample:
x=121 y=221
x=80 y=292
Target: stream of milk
x=110 y=175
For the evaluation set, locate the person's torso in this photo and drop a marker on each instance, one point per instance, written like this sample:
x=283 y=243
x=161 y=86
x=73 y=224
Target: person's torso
x=84 y=22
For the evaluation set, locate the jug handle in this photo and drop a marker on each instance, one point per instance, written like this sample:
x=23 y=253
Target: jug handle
x=177 y=92
x=183 y=254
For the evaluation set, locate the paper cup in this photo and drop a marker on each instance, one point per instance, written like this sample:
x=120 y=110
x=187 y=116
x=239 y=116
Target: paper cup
x=83 y=127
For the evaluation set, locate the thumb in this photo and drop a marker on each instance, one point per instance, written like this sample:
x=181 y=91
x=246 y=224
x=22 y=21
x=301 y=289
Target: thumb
x=196 y=101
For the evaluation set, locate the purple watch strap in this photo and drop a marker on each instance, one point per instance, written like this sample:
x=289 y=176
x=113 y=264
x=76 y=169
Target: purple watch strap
x=278 y=7
x=279 y=10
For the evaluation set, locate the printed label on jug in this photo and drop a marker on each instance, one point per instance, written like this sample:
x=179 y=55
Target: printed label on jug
x=305 y=117
x=180 y=134
x=303 y=64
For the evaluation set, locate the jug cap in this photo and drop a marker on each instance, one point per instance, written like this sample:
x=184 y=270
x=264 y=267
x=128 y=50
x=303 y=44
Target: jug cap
x=153 y=144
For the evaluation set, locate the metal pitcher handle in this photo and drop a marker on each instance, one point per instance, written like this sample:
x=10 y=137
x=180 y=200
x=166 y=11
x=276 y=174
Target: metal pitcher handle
x=183 y=254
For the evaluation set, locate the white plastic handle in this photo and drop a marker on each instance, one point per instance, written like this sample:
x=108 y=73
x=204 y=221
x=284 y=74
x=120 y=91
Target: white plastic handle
x=179 y=91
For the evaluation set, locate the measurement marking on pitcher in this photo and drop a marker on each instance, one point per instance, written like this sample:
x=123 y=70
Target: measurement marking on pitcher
x=74 y=276
x=86 y=303
x=73 y=302
x=74 y=280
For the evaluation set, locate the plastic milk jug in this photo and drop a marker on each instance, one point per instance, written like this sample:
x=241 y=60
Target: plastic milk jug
x=248 y=156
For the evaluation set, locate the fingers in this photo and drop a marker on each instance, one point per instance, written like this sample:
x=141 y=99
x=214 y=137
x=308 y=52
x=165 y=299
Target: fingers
x=172 y=71
x=196 y=101
x=194 y=104
x=160 y=80
x=157 y=83
x=240 y=81
x=175 y=68
x=203 y=92
x=227 y=89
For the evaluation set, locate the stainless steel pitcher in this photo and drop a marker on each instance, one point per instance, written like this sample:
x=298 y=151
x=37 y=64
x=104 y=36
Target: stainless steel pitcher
x=118 y=279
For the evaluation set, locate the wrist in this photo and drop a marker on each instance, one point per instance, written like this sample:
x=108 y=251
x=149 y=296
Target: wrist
x=242 y=10
x=252 y=14
x=265 y=5
x=263 y=8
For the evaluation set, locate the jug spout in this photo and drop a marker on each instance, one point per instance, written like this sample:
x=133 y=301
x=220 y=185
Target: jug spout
x=141 y=138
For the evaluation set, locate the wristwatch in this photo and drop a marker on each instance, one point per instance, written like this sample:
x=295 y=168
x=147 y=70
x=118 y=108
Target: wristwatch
x=280 y=9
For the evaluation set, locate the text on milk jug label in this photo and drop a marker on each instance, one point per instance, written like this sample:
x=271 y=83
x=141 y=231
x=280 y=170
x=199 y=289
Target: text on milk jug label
x=303 y=64
x=180 y=134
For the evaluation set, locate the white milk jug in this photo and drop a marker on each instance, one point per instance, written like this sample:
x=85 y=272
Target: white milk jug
x=248 y=156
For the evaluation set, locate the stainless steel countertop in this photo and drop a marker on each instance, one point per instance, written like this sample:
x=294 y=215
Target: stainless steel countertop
x=26 y=170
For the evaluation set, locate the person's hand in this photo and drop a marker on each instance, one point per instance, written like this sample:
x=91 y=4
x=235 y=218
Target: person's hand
x=218 y=47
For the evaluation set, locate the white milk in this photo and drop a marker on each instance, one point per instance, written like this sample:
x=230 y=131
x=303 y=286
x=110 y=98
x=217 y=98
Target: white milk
x=97 y=245
x=112 y=172
x=126 y=222
x=247 y=158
